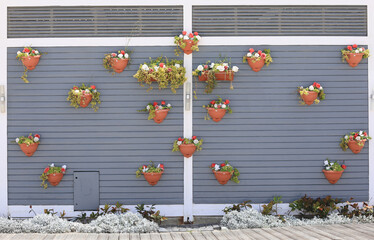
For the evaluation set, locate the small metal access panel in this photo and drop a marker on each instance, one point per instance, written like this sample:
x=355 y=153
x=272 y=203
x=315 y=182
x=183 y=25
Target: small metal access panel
x=86 y=191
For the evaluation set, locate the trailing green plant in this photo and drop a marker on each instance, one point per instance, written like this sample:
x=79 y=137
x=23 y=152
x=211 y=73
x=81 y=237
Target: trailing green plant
x=121 y=54
x=333 y=166
x=218 y=104
x=151 y=108
x=360 y=137
x=319 y=207
x=51 y=169
x=76 y=94
x=354 y=49
x=354 y=210
x=226 y=167
x=315 y=87
x=150 y=213
x=268 y=209
x=167 y=74
x=238 y=207
x=198 y=143
x=254 y=57
x=180 y=41
x=107 y=209
x=27 y=52
x=151 y=168
x=29 y=140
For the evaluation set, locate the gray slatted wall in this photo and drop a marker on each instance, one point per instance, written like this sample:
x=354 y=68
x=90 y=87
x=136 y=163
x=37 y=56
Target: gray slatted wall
x=116 y=140
x=280 y=20
x=277 y=145
x=111 y=21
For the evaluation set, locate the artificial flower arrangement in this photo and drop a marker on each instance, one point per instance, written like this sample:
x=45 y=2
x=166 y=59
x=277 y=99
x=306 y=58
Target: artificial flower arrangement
x=225 y=172
x=28 y=144
x=157 y=112
x=30 y=58
x=310 y=94
x=151 y=173
x=83 y=96
x=217 y=109
x=53 y=174
x=116 y=62
x=354 y=54
x=256 y=60
x=166 y=73
x=213 y=72
x=187 y=146
x=333 y=171
x=188 y=43
x=354 y=141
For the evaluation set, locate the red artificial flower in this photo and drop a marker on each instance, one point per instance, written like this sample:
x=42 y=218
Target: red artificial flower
x=162 y=166
x=93 y=86
x=75 y=88
x=63 y=170
x=161 y=65
x=184 y=32
x=169 y=69
x=227 y=101
x=259 y=52
x=113 y=54
x=122 y=52
x=37 y=135
x=356 y=135
x=363 y=49
x=180 y=139
x=33 y=51
x=163 y=103
x=354 y=45
x=219 y=106
x=365 y=134
x=349 y=48
x=155 y=104
x=144 y=166
x=46 y=169
x=206 y=66
x=150 y=70
x=263 y=55
x=26 y=50
x=222 y=164
x=318 y=85
x=196 y=33
x=213 y=102
x=194 y=137
x=251 y=50
x=30 y=137
x=213 y=165
x=190 y=35
x=344 y=166
x=351 y=137
x=226 y=67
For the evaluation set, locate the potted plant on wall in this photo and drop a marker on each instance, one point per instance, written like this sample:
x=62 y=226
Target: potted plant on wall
x=157 y=112
x=310 y=94
x=213 y=72
x=256 y=60
x=188 y=43
x=83 y=96
x=217 y=109
x=28 y=144
x=187 y=146
x=354 y=54
x=225 y=172
x=354 y=141
x=151 y=173
x=30 y=58
x=167 y=74
x=116 y=62
x=333 y=171
x=53 y=175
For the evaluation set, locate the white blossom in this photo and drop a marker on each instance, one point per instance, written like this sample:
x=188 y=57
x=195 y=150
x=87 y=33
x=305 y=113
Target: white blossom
x=36 y=139
x=52 y=165
x=186 y=37
x=180 y=36
x=120 y=55
x=326 y=162
x=361 y=49
x=156 y=68
x=148 y=107
x=221 y=68
x=179 y=143
x=19 y=52
x=177 y=65
x=358 y=138
x=249 y=54
x=145 y=169
x=320 y=88
x=198 y=37
x=311 y=88
x=361 y=133
x=357 y=51
x=200 y=68
x=76 y=91
x=169 y=105
x=235 y=69
x=225 y=64
x=160 y=107
x=126 y=55
x=215 y=105
x=64 y=167
x=223 y=105
x=88 y=91
x=216 y=167
x=36 y=52
x=211 y=65
x=17 y=140
x=346 y=137
x=195 y=141
x=257 y=55
x=145 y=67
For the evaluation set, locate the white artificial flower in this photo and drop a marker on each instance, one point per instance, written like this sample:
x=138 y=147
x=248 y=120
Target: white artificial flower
x=169 y=105
x=311 y=88
x=331 y=163
x=223 y=105
x=181 y=36
x=249 y=54
x=361 y=49
x=148 y=107
x=126 y=55
x=94 y=90
x=36 y=52
x=64 y=167
x=235 y=69
x=36 y=139
x=195 y=141
x=198 y=37
x=346 y=137
x=145 y=67
x=327 y=168
x=52 y=165
x=320 y=88
x=216 y=167
x=361 y=133
x=221 y=68
x=19 y=52
x=76 y=91
x=88 y=90
x=17 y=140
x=158 y=166
x=177 y=65
x=211 y=65
x=186 y=37
x=145 y=169
x=257 y=55
x=160 y=107
x=179 y=143
x=200 y=68
x=156 y=68
x=225 y=64
x=120 y=55
x=357 y=51
x=215 y=105
x=326 y=162
x=358 y=138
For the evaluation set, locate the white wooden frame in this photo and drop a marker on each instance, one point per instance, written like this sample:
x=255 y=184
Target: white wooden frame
x=188 y=209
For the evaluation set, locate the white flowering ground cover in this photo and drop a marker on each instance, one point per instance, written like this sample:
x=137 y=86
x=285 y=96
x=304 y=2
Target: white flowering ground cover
x=251 y=218
x=110 y=223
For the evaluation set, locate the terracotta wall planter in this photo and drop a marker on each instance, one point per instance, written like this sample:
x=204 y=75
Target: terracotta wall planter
x=160 y=115
x=29 y=150
x=187 y=149
x=30 y=62
x=119 y=65
x=353 y=59
x=220 y=76
x=85 y=100
x=256 y=65
x=332 y=176
x=309 y=99
x=223 y=177
x=216 y=114
x=55 y=178
x=355 y=148
x=152 y=178
x=187 y=50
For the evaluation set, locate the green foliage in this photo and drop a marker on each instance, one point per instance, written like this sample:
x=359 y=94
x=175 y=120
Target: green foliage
x=238 y=207
x=267 y=59
x=108 y=57
x=53 y=213
x=319 y=207
x=194 y=140
x=330 y=166
x=359 y=137
x=29 y=140
x=268 y=209
x=353 y=49
x=107 y=209
x=354 y=210
x=315 y=87
x=167 y=74
x=151 y=168
x=218 y=104
x=150 y=213
x=151 y=108
x=178 y=40
x=76 y=93
x=226 y=167
x=27 y=51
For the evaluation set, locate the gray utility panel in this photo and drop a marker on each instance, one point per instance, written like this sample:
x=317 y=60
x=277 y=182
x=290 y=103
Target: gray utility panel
x=86 y=191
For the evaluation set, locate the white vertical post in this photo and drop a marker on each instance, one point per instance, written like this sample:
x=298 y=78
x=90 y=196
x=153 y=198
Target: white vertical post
x=187 y=122
x=3 y=116
x=370 y=21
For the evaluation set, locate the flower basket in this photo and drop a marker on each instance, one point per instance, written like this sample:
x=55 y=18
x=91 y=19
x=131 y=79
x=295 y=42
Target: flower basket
x=85 y=100
x=217 y=109
x=151 y=173
x=188 y=43
x=354 y=141
x=225 y=172
x=157 y=112
x=116 y=62
x=30 y=62
x=220 y=76
x=83 y=96
x=28 y=144
x=333 y=171
x=53 y=175
x=257 y=60
x=310 y=94
x=354 y=54
x=187 y=146
x=30 y=59
x=55 y=178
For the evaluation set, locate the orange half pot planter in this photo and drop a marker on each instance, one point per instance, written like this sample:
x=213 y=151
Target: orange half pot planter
x=332 y=176
x=216 y=114
x=310 y=97
x=55 y=178
x=188 y=49
x=353 y=59
x=152 y=178
x=256 y=65
x=355 y=147
x=118 y=65
x=30 y=62
x=29 y=150
x=220 y=76
x=85 y=100
x=187 y=149
x=223 y=177
x=160 y=115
